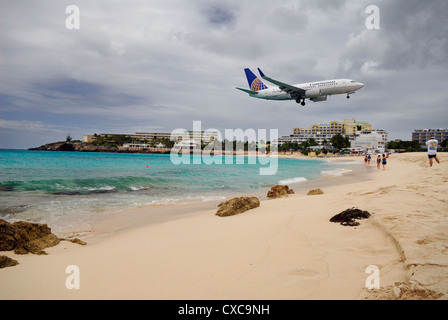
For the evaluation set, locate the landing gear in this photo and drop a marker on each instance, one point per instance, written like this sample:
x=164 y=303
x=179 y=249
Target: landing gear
x=348 y=97
x=301 y=101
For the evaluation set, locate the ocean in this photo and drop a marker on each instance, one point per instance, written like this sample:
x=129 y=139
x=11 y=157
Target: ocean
x=68 y=189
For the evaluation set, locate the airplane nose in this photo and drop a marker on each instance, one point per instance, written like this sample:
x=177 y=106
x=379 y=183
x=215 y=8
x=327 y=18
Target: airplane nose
x=361 y=85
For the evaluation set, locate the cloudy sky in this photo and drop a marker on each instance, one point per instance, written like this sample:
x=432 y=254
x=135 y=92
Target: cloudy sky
x=158 y=65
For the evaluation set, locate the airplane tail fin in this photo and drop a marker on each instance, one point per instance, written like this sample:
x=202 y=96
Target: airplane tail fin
x=255 y=84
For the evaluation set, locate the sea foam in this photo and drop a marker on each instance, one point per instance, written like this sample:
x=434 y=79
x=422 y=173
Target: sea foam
x=335 y=172
x=292 y=180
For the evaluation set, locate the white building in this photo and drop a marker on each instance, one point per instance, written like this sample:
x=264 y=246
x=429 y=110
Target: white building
x=370 y=141
x=186 y=145
x=320 y=138
x=135 y=145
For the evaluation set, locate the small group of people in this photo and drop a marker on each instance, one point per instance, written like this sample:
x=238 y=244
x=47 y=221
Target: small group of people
x=380 y=160
x=432 y=144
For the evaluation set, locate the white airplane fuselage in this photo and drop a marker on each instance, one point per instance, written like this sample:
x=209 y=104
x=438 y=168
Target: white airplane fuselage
x=315 y=91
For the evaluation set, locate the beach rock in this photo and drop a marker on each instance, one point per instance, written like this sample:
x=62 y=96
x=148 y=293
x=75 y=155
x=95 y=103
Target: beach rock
x=279 y=191
x=237 y=205
x=24 y=237
x=7 y=240
x=347 y=217
x=315 y=192
x=75 y=240
x=7 y=262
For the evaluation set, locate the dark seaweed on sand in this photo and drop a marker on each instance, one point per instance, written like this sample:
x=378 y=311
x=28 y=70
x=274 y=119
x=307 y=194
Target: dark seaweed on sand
x=348 y=217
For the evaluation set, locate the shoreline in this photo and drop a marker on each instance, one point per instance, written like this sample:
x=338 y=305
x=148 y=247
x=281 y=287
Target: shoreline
x=81 y=223
x=126 y=219
x=285 y=249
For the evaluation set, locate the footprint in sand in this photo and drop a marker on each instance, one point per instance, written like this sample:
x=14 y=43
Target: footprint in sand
x=308 y=273
x=390 y=218
x=424 y=241
x=385 y=190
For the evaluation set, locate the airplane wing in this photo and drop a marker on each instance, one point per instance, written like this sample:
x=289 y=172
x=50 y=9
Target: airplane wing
x=295 y=92
x=247 y=91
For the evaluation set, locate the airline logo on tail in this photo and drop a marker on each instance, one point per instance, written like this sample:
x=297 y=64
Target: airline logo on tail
x=255 y=84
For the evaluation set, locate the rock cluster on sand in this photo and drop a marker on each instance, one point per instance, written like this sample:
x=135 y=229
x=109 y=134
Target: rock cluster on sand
x=237 y=205
x=279 y=191
x=7 y=262
x=347 y=217
x=24 y=237
x=315 y=192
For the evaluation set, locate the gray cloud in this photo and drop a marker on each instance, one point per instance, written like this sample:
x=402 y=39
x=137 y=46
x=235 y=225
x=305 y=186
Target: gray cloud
x=160 y=65
x=412 y=35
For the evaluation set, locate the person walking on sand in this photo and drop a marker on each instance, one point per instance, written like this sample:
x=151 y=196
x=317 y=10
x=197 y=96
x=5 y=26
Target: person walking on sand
x=378 y=162
x=384 y=161
x=432 y=150
x=368 y=159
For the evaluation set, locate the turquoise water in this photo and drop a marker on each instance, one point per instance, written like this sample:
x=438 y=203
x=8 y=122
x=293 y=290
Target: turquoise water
x=56 y=187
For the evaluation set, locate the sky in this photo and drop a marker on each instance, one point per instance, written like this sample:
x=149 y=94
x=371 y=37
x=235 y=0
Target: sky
x=158 y=65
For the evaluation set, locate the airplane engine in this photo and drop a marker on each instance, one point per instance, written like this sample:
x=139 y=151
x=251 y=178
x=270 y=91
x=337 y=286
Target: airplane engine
x=319 y=99
x=312 y=93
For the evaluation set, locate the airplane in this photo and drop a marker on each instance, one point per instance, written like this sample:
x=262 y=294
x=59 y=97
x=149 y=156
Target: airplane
x=315 y=91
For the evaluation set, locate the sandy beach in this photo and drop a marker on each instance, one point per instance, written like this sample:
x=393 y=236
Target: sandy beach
x=285 y=249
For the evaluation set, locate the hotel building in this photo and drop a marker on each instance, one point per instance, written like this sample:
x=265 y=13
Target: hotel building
x=322 y=133
x=157 y=137
x=423 y=135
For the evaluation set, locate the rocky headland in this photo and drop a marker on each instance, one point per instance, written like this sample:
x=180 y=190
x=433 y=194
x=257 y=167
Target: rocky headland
x=89 y=147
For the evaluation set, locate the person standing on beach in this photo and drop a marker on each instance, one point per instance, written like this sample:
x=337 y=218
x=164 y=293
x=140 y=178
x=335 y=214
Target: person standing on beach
x=432 y=149
x=384 y=162
x=378 y=162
